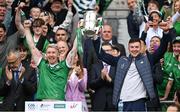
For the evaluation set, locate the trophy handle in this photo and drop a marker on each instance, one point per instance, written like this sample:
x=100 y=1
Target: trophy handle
x=99 y=24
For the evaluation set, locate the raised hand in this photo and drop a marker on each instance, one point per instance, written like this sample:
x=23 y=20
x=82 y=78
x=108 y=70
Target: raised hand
x=108 y=78
x=70 y=3
x=166 y=25
x=103 y=73
x=147 y=25
x=27 y=24
x=9 y=73
x=20 y=6
x=78 y=72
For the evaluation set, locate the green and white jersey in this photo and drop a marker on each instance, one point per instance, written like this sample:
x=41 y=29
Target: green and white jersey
x=170 y=62
x=52 y=80
x=176 y=75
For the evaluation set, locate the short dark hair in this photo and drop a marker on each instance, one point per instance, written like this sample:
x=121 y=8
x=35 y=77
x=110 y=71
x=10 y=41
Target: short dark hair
x=156 y=37
x=117 y=47
x=133 y=40
x=154 y=2
x=106 y=43
x=60 y=28
x=2 y=26
x=38 y=22
x=34 y=7
x=60 y=1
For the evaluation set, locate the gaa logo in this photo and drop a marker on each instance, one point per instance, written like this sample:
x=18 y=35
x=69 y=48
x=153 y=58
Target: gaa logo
x=31 y=106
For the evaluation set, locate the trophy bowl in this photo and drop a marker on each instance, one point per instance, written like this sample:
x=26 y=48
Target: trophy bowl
x=90 y=23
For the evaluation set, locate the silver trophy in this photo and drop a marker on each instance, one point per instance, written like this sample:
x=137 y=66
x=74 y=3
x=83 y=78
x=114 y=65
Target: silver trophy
x=91 y=24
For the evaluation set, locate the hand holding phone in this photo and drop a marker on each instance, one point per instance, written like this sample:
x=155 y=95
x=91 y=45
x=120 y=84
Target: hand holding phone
x=150 y=21
x=150 y=18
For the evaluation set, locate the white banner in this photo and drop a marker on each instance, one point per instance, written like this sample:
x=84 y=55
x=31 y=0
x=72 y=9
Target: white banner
x=53 y=106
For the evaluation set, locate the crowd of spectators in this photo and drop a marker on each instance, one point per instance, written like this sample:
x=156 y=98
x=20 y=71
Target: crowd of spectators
x=44 y=58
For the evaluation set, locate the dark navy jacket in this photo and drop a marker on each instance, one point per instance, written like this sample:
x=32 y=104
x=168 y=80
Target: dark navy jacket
x=144 y=64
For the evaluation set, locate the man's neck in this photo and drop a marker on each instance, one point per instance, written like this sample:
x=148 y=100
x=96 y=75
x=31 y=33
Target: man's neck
x=155 y=27
x=53 y=65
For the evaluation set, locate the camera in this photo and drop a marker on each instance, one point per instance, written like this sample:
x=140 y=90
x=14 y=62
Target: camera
x=150 y=18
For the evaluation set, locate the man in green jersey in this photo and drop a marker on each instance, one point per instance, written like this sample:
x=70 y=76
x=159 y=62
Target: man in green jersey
x=171 y=71
x=53 y=74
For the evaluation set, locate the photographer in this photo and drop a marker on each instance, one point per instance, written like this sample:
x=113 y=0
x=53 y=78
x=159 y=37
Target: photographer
x=153 y=27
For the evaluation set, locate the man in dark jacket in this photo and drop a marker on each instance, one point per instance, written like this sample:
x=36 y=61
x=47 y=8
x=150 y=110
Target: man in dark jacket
x=102 y=81
x=133 y=81
x=92 y=48
x=133 y=27
x=17 y=84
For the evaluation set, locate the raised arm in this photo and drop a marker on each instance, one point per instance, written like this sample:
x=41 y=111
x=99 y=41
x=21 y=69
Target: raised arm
x=168 y=35
x=144 y=33
x=175 y=17
x=133 y=28
x=167 y=90
x=83 y=81
x=36 y=54
x=66 y=23
x=18 y=18
x=109 y=59
x=72 y=54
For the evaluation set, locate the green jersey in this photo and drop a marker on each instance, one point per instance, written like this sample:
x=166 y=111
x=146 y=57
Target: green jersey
x=176 y=75
x=169 y=63
x=52 y=80
x=177 y=27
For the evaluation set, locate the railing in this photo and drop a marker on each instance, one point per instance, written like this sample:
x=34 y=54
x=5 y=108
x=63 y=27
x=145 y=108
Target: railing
x=167 y=101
